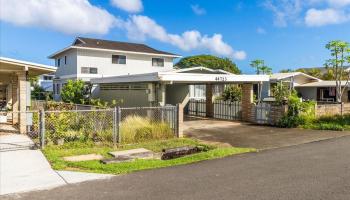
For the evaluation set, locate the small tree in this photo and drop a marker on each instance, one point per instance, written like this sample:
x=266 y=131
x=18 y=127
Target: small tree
x=232 y=93
x=75 y=92
x=340 y=53
x=281 y=93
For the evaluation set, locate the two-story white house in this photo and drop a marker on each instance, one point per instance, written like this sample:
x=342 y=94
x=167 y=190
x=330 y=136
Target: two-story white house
x=89 y=58
x=136 y=73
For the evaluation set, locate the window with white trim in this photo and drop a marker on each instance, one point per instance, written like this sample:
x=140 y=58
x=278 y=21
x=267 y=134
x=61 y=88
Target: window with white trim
x=158 y=62
x=119 y=59
x=88 y=70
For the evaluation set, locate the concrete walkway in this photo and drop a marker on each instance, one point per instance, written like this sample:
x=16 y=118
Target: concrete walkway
x=27 y=170
x=10 y=142
x=237 y=134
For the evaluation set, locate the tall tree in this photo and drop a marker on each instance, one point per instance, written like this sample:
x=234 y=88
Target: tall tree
x=260 y=68
x=340 y=57
x=257 y=64
x=209 y=61
x=266 y=70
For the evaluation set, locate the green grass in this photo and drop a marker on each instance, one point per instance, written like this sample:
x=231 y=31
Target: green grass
x=336 y=123
x=55 y=156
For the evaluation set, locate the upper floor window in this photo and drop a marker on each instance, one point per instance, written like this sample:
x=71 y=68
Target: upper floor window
x=118 y=59
x=89 y=70
x=59 y=62
x=47 y=78
x=158 y=62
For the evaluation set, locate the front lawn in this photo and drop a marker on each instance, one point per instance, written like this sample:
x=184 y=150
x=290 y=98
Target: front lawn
x=55 y=156
x=336 y=123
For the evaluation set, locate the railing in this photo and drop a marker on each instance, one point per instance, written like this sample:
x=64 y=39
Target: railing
x=229 y=110
x=197 y=107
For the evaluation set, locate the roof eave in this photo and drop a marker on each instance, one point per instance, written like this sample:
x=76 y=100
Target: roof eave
x=112 y=50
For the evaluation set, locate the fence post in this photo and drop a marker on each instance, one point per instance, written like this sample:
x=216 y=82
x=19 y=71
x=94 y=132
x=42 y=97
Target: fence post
x=114 y=126
x=179 y=120
x=118 y=117
x=341 y=108
x=42 y=128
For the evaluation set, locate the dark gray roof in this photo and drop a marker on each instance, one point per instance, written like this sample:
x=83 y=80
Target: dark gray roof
x=115 y=45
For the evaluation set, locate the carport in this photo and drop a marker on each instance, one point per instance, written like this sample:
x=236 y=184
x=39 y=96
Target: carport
x=164 y=88
x=172 y=87
x=15 y=88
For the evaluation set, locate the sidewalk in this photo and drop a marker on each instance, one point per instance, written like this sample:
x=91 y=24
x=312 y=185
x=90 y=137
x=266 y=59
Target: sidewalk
x=27 y=170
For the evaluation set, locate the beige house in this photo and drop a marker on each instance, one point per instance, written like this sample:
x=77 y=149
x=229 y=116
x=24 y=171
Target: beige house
x=15 y=87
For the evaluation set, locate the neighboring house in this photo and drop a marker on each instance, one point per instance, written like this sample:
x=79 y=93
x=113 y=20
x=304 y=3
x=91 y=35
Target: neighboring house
x=323 y=91
x=46 y=82
x=89 y=58
x=308 y=87
x=15 y=87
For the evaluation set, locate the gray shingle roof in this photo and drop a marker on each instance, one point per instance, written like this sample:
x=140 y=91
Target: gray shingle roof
x=115 y=45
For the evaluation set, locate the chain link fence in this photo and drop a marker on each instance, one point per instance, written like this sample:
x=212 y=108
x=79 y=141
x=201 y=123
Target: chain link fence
x=108 y=126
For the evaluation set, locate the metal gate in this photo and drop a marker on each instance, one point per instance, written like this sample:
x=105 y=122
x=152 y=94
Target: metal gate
x=229 y=110
x=262 y=113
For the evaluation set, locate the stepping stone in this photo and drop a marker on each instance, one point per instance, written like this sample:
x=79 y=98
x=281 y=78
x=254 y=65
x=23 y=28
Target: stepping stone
x=140 y=153
x=119 y=159
x=86 y=157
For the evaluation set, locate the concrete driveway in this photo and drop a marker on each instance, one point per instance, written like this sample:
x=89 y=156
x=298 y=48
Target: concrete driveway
x=229 y=133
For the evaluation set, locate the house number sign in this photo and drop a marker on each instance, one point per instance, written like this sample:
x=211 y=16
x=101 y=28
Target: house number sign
x=220 y=78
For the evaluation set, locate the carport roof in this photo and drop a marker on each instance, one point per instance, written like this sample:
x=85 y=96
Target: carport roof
x=12 y=65
x=177 y=77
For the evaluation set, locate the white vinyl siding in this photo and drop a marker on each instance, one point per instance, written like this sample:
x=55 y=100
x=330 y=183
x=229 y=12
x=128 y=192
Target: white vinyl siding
x=135 y=64
x=157 y=62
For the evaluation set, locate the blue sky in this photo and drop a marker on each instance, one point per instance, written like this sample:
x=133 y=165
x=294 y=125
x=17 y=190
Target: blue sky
x=285 y=33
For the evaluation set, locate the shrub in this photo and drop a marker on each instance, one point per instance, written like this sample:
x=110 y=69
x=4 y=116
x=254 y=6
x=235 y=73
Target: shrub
x=299 y=113
x=136 y=129
x=232 y=93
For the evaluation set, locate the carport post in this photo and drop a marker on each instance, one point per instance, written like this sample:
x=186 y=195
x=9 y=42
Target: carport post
x=209 y=112
x=180 y=120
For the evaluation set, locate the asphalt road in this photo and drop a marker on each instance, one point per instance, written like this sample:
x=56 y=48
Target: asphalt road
x=319 y=170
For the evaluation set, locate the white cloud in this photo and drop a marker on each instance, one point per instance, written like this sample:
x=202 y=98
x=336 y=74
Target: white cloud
x=339 y=3
x=310 y=12
x=198 y=10
x=81 y=17
x=132 y=6
x=142 y=27
x=261 y=30
x=284 y=10
x=316 y=17
x=67 y=16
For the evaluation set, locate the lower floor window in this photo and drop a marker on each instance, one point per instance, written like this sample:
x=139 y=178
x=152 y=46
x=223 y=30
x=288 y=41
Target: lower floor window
x=89 y=70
